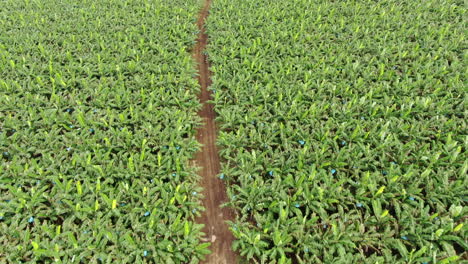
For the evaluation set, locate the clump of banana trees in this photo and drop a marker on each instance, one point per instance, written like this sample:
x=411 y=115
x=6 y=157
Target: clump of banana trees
x=343 y=134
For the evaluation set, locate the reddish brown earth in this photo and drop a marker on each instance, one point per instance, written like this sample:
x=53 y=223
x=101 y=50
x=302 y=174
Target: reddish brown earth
x=214 y=218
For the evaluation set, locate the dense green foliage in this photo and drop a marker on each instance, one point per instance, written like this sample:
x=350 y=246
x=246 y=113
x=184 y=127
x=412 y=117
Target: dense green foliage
x=343 y=128
x=97 y=114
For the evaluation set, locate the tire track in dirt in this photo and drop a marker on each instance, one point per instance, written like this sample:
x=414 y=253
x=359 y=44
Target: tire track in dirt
x=214 y=217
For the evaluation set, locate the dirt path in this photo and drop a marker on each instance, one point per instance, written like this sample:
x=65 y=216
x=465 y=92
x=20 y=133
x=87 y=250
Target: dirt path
x=214 y=190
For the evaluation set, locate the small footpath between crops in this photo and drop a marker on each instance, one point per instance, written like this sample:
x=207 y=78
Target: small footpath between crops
x=214 y=193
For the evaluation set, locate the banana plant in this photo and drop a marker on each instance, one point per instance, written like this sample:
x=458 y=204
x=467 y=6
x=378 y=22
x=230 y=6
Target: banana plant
x=345 y=120
x=97 y=128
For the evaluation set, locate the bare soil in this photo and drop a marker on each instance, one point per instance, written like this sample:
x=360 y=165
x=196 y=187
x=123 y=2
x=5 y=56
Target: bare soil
x=214 y=217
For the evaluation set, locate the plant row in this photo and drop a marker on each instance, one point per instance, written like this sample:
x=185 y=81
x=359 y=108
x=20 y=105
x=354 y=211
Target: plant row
x=98 y=111
x=342 y=129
